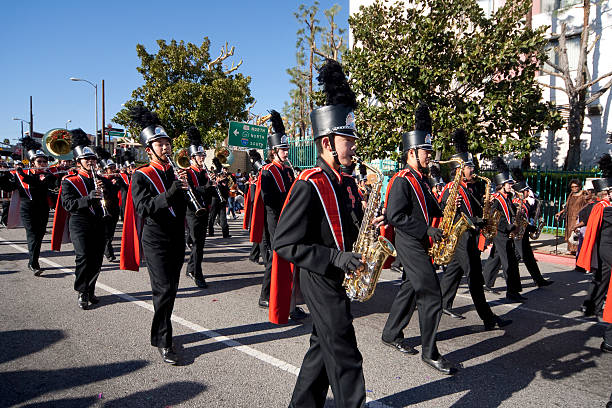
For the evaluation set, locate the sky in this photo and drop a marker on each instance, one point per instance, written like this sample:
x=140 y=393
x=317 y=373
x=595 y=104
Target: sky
x=44 y=43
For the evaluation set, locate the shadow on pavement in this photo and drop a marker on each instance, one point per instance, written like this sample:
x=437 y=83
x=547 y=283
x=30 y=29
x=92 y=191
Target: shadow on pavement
x=19 y=343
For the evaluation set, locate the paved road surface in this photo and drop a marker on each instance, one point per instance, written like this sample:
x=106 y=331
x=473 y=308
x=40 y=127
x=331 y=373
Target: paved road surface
x=56 y=355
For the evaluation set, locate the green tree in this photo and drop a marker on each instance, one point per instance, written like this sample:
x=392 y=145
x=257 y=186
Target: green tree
x=185 y=87
x=474 y=72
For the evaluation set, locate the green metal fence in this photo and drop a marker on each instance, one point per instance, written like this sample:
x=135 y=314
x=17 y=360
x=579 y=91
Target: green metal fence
x=551 y=186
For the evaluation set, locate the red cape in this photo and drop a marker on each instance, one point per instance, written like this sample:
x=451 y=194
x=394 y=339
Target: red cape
x=590 y=235
x=607 y=313
x=129 y=259
x=248 y=209
x=257 y=215
x=60 y=233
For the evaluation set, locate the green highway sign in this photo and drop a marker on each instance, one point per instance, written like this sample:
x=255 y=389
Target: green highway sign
x=247 y=135
x=114 y=134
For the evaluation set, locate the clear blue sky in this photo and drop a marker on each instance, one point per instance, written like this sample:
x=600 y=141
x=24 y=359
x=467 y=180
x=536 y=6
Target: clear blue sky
x=44 y=43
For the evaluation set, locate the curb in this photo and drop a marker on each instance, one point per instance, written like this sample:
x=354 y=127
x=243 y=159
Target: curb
x=555 y=259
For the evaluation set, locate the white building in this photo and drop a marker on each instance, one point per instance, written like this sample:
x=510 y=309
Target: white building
x=597 y=131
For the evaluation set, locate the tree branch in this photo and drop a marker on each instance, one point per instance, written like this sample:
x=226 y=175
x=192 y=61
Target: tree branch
x=554 y=66
x=547 y=72
x=597 y=38
x=226 y=52
x=599 y=92
x=554 y=87
x=588 y=84
x=233 y=68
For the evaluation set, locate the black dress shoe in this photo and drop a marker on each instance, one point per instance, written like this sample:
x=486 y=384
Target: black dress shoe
x=298 y=314
x=441 y=364
x=93 y=299
x=168 y=355
x=496 y=321
x=83 y=301
x=544 y=283
x=227 y=236
x=36 y=269
x=587 y=311
x=200 y=282
x=490 y=290
x=401 y=346
x=606 y=348
x=453 y=314
x=515 y=297
x=264 y=304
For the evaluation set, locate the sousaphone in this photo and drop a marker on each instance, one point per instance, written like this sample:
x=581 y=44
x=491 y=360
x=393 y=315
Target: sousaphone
x=57 y=143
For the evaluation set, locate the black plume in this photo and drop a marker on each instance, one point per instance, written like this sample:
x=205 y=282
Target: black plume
x=102 y=153
x=143 y=117
x=29 y=143
x=517 y=174
x=422 y=119
x=79 y=138
x=128 y=156
x=254 y=155
x=277 y=122
x=500 y=165
x=335 y=86
x=605 y=165
x=460 y=141
x=217 y=164
x=193 y=133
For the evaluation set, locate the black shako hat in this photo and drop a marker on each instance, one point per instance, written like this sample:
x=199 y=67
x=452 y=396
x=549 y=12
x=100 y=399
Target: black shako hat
x=461 y=147
x=149 y=123
x=81 y=145
x=278 y=138
x=33 y=148
x=105 y=157
x=195 y=142
x=503 y=172
x=520 y=181
x=337 y=117
x=605 y=182
x=420 y=137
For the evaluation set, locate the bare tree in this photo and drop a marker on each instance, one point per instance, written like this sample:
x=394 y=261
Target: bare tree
x=577 y=88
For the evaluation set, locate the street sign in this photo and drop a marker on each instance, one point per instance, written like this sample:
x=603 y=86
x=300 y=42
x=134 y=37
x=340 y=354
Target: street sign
x=247 y=135
x=113 y=134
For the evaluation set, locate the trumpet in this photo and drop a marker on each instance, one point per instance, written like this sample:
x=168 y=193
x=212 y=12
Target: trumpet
x=94 y=176
x=199 y=210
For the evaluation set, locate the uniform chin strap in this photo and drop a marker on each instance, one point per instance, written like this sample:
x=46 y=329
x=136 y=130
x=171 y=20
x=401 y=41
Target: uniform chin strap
x=334 y=153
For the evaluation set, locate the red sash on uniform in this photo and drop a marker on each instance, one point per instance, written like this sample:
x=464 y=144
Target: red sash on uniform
x=24 y=185
x=258 y=218
x=282 y=270
x=153 y=176
x=591 y=234
x=387 y=231
x=60 y=234
x=499 y=197
x=248 y=209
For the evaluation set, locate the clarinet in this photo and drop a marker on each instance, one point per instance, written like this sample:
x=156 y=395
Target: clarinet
x=199 y=210
x=105 y=213
x=210 y=178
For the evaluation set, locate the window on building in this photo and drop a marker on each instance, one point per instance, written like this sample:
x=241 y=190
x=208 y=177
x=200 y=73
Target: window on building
x=573 y=51
x=551 y=5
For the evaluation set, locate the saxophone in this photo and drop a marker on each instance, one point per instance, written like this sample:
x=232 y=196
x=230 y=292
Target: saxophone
x=442 y=251
x=521 y=221
x=375 y=249
x=539 y=221
x=490 y=229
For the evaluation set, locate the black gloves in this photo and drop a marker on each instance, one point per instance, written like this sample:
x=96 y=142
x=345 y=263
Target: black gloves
x=435 y=234
x=94 y=196
x=347 y=261
x=174 y=187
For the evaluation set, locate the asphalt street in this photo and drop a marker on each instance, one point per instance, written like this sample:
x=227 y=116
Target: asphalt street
x=56 y=355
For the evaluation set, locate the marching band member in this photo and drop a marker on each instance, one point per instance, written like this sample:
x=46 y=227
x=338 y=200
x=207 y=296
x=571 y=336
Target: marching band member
x=257 y=163
x=218 y=204
x=34 y=187
x=273 y=184
x=81 y=196
x=158 y=198
x=315 y=232
x=523 y=246
x=596 y=252
x=114 y=186
x=411 y=208
x=198 y=180
x=503 y=252
x=467 y=255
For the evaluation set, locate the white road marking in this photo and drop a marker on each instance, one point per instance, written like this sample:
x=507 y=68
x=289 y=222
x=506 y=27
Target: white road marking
x=233 y=344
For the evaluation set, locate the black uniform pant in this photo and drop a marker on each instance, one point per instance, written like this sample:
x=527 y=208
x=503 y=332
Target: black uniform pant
x=524 y=253
x=197 y=233
x=466 y=260
x=34 y=221
x=5 y=210
x=255 y=252
x=218 y=210
x=598 y=287
x=110 y=224
x=87 y=235
x=608 y=335
x=503 y=254
x=333 y=358
x=266 y=254
x=165 y=252
x=419 y=288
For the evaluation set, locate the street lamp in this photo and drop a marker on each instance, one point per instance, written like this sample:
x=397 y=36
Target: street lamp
x=67 y=122
x=96 y=88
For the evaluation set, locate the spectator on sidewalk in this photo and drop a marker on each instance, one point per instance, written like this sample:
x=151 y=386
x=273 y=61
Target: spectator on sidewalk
x=576 y=200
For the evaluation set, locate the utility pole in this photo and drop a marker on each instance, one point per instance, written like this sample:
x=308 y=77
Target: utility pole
x=102 y=130
x=31 y=119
